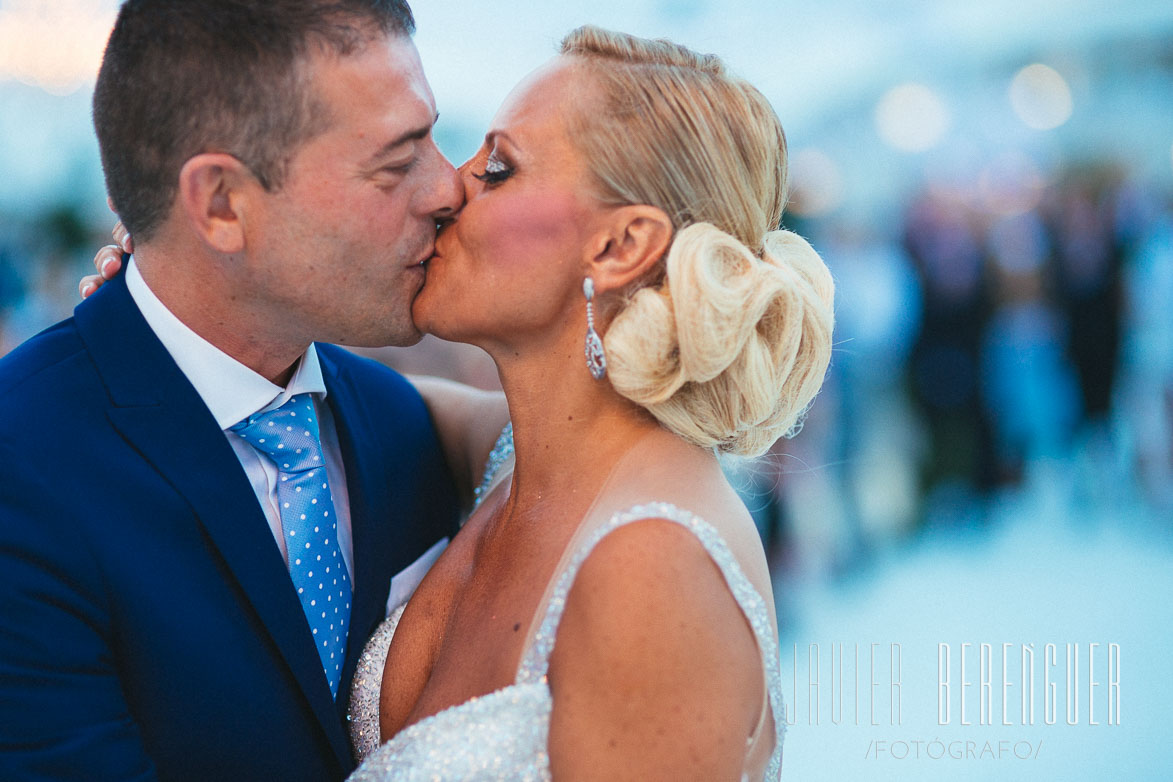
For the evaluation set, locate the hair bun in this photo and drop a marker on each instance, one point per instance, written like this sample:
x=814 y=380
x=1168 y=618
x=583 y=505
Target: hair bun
x=730 y=349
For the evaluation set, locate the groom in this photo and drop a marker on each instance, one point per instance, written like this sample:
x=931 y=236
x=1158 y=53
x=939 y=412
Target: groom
x=201 y=509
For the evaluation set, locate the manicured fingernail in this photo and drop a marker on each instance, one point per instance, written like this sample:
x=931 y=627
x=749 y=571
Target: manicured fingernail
x=106 y=267
x=87 y=289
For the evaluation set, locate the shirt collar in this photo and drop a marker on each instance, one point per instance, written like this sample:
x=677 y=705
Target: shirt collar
x=229 y=388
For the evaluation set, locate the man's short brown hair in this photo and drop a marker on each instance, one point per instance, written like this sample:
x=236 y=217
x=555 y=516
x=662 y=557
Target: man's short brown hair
x=182 y=77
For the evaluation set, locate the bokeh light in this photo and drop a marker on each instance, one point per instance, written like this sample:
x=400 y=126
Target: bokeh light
x=55 y=46
x=912 y=118
x=1040 y=97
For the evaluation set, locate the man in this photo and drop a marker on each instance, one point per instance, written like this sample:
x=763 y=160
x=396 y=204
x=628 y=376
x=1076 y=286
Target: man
x=158 y=531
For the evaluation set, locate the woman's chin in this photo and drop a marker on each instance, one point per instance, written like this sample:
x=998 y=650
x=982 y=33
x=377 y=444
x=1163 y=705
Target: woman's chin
x=430 y=316
x=421 y=313
x=447 y=313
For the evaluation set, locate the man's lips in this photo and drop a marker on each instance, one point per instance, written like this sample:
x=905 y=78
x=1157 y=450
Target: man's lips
x=423 y=260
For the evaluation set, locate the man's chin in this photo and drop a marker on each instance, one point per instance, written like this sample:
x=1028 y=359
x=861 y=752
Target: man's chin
x=401 y=339
x=402 y=334
x=407 y=341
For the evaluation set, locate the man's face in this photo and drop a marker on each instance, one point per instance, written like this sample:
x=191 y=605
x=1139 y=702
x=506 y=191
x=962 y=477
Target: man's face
x=339 y=246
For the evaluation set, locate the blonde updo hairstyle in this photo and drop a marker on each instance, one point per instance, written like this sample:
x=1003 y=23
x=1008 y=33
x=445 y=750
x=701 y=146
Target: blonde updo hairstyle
x=727 y=342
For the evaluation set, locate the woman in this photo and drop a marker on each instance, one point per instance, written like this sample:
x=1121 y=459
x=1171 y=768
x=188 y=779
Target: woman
x=606 y=611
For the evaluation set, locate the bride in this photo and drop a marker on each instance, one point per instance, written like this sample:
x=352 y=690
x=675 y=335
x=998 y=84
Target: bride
x=606 y=611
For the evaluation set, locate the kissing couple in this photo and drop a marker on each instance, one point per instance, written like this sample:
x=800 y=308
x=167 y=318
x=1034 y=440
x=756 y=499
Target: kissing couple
x=231 y=550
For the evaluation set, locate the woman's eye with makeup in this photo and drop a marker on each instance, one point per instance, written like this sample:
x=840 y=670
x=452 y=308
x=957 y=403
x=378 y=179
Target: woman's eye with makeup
x=495 y=172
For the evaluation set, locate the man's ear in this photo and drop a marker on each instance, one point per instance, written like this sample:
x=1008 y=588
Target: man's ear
x=214 y=191
x=634 y=239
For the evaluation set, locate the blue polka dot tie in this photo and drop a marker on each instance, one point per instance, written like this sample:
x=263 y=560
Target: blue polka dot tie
x=288 y=435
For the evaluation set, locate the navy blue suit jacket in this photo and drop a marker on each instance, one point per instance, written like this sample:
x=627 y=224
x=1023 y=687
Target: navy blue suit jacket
x=148 y=625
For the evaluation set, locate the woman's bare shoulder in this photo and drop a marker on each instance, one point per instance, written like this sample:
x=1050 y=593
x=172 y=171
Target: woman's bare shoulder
x=655 y=665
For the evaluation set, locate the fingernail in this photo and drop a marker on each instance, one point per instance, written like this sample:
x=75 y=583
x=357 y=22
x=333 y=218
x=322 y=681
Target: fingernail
x=87 y=289
x=106 y=267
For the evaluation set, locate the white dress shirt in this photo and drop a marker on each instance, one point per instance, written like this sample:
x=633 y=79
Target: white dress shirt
x=232 y=391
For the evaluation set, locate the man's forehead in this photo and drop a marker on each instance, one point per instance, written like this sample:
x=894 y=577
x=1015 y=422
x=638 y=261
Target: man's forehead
x=384 y=75
x=380 y=56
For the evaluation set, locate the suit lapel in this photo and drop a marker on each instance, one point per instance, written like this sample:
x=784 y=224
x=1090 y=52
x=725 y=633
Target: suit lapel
x=158 y=411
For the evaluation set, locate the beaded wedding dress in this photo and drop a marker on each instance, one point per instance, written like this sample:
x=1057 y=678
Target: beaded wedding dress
x=503 y=735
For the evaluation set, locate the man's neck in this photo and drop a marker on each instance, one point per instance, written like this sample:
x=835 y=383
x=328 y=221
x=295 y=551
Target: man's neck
x=207 y=307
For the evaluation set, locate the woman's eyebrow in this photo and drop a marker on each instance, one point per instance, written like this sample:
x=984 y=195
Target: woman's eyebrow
x=493 y=135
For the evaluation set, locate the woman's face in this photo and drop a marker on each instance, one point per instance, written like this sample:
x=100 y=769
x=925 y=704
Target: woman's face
x=510 y=268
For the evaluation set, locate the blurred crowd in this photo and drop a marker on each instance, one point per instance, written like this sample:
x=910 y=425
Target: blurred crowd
x=985 y=346
x=41 y=260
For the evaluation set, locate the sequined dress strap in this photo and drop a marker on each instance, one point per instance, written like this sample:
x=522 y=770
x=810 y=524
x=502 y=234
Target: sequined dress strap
x=502 y=450
x=536 y=661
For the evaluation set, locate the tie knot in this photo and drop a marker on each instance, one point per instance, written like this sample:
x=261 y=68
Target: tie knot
x=288 y=434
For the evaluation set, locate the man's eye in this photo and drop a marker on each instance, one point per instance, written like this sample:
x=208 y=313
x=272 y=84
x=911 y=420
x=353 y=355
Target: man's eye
x=399 y=169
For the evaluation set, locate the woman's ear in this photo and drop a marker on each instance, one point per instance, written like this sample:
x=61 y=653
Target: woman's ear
x=214 y=193
x=634 y=239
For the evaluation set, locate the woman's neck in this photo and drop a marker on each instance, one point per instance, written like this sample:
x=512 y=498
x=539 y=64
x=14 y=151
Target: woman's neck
x=568 y=431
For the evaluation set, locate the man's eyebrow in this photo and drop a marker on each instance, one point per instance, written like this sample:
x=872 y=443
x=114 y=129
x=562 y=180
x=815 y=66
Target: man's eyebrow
x=415 y=134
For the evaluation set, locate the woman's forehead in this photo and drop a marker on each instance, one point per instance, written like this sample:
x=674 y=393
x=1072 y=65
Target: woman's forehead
x=544 y=98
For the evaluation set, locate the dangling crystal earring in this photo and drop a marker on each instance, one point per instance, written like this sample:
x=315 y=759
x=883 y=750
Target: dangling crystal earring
x=595 y=358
